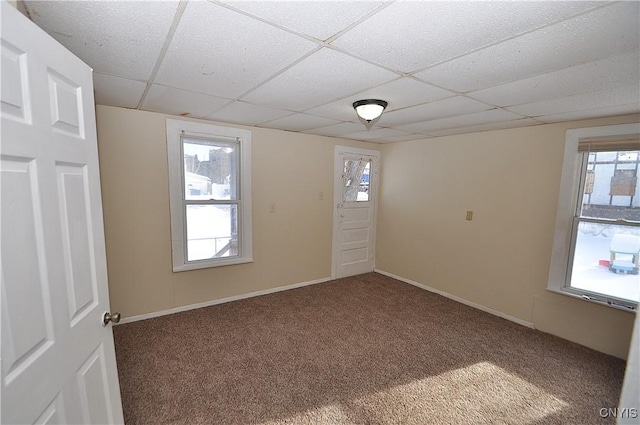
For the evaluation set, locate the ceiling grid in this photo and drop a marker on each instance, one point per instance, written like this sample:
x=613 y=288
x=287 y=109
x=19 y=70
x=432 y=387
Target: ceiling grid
x=443 y=67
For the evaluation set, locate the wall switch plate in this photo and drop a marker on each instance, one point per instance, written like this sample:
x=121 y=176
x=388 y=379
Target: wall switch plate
x=469 y=215
x=272 y=207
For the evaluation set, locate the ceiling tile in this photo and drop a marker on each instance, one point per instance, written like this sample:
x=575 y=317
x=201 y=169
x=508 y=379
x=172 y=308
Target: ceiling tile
x=552 y=61
x=400 y=93
x=337 y=130
x=169 y=100
x=601 y=75
x=320 y=78
x=405 y=138
x=124 y=38
x=224 y=53
x=319 y=19
x=246 y=114
x=429 y=111
x=411 y=35
x=493 y=115
x=626 y=95
x=299 y=122
x=591 y=113
x=605 y=32
x=116 y=91
x=377 y=133
x=523 y=122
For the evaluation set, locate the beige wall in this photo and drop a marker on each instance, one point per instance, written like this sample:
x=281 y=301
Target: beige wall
x=290 y=246
x=510 y=179
x=18 y=4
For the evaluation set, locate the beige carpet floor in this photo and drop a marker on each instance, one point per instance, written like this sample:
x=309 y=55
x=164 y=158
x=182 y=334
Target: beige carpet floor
x=362 y=350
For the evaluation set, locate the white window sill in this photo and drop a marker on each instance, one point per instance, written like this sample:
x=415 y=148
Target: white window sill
x=207 y=264
x=585 y=297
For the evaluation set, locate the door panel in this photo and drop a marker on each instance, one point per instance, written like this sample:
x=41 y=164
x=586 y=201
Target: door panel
x=15 y=82
x=58 y=361
x=355 y=236
x=53 y=414
x=76 y=234
x=355 y=215
x=94 y=395
x=26 y=321
x=66 y=105
x=354 y=256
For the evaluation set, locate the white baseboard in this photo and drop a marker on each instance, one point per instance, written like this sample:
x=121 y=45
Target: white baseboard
x=220 y=301
x=458 y=299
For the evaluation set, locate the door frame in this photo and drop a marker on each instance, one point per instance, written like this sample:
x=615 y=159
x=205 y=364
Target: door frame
x=374 y=180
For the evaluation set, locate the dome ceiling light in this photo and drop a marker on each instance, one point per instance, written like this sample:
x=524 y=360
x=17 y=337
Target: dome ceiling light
x=369 y=111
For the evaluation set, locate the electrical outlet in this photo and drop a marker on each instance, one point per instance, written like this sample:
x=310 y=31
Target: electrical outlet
x=321 y=196
x=469 y=215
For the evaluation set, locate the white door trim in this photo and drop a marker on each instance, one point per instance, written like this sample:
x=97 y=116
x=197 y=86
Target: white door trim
x=337 y=197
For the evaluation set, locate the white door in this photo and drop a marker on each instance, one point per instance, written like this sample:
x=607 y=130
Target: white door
x=58 y=360
x=355 y=198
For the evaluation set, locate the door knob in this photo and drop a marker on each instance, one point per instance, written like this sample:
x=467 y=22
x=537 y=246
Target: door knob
x=108 y=317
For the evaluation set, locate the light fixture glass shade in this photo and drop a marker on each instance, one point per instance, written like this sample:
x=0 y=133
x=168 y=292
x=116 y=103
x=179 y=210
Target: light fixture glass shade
x=369 y=112
x=369 y=109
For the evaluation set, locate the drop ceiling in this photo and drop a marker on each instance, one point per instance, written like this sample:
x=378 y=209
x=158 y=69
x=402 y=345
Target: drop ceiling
x=444 y=67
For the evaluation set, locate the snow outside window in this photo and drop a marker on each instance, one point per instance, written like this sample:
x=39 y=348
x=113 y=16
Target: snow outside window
x=210 y=194
x=596 y=254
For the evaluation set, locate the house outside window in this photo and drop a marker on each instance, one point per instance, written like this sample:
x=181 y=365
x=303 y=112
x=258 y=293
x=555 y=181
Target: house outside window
x=210 y=194
x=596 y=252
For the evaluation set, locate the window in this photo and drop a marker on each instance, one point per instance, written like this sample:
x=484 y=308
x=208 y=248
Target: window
x=596 y=251
x=210 y=195
x=356 y=180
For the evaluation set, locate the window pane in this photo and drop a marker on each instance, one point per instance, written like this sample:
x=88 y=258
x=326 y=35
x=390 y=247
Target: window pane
x=212 y=231
x=210 y=169
x=611 y=189
x=606 y=260
x=356 y=180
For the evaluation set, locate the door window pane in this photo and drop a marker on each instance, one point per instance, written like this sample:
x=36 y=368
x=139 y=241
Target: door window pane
x=210 y=169
x=357 y=180
x=606 y=260
x=212 y=231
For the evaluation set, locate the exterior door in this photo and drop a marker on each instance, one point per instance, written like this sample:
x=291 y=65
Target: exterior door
x=355 y=196
x=58 y=360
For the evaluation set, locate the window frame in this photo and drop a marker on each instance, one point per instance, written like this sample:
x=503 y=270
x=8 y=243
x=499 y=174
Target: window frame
x=571 y=184
x=176 y=129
